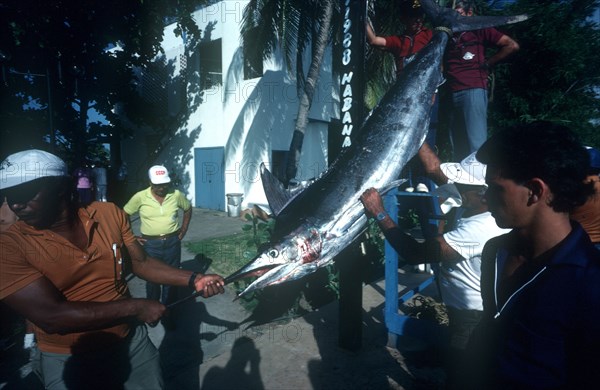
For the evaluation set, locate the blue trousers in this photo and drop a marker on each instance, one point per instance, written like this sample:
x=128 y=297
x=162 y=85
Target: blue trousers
x=167 y=250
x=468 y=126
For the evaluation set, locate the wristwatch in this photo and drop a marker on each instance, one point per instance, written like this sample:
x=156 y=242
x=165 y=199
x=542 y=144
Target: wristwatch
x=381 y=216
x=191 y=283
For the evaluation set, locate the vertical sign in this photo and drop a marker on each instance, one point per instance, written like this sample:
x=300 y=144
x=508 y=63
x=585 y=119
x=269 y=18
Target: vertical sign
x=350 y=60
x=352 y=87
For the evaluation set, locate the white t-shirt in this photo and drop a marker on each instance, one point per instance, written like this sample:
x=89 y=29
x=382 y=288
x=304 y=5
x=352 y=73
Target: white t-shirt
x=460 y=281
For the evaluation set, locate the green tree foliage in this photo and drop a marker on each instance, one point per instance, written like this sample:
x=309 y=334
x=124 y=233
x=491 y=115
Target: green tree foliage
x=292 y=26
x=64 y=43
x=379 y=65
x=555 y=76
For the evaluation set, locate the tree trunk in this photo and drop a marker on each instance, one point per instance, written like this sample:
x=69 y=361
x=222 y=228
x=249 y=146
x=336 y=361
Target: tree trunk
x=81 y=133
x=320 y=44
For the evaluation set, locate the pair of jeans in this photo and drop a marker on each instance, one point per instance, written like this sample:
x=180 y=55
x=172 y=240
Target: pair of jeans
x=468 y=126
x=167 y=250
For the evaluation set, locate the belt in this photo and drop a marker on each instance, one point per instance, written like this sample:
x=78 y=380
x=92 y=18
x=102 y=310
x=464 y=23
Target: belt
x=160 y=236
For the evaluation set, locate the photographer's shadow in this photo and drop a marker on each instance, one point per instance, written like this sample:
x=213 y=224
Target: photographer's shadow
x=180 y=350
x=242 y=371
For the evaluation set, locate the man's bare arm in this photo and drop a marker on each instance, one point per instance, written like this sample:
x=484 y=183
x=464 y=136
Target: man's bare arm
x=433 y=250
x=431 y=164
x=373 y=39
x=508 y=46
x=154 y=270
x=187 y=217
x=45 y=306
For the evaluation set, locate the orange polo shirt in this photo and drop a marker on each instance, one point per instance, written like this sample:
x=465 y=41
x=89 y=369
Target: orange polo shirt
x=588 y=215
x=27 y=254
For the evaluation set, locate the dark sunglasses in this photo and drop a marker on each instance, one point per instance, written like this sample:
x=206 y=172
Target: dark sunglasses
x=22 y=193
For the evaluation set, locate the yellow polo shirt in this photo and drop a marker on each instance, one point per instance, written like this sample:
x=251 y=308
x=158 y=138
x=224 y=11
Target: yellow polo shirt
x=156 y=218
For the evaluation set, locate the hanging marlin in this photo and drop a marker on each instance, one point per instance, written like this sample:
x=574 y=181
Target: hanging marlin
x=316 y=224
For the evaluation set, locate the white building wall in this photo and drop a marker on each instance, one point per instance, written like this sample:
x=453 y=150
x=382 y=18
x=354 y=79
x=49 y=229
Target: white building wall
x=249 y=118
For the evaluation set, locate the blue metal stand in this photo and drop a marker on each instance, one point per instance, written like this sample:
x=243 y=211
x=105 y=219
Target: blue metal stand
x=396 y=323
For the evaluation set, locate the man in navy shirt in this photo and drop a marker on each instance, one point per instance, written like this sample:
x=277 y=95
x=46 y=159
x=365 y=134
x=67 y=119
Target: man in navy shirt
x=540 y=283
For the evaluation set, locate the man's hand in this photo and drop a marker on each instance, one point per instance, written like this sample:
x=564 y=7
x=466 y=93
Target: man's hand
x=211 y=285
x=372 y=202
x=150 y=311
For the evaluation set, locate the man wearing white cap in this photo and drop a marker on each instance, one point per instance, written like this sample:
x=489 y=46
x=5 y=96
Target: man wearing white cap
x=158 y=207
x=458 y=251
x=61 y=268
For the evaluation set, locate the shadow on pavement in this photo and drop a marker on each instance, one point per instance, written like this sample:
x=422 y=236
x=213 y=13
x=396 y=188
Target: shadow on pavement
x=241 y=371
x=367 y=368
x=180 y=350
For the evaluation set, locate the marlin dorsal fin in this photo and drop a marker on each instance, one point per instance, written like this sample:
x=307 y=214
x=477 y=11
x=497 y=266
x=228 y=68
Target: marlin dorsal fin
x=277 y=196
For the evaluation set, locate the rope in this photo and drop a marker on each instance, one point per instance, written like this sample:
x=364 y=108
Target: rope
x=444 y=29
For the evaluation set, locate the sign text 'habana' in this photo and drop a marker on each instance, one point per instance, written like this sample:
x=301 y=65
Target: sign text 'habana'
x=352 y=83
x=346 y=87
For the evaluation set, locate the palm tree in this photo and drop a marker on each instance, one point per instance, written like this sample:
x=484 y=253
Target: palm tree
x=291 y=25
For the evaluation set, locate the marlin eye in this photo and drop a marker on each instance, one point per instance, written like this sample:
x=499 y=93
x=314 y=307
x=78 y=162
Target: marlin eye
x=273 y=253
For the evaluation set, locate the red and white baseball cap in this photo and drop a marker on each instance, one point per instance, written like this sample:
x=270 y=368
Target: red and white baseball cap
x=159 y=174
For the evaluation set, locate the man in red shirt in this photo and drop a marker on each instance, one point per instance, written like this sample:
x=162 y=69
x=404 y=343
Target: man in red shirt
x=467 y=71
x=402 y=47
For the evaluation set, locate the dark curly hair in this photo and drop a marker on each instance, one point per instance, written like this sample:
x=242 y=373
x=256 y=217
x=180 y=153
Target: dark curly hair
x=544 y=150
x=410 y=9
x=467 y=5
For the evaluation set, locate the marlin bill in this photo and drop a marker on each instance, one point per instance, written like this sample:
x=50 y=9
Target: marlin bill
x=316 y=224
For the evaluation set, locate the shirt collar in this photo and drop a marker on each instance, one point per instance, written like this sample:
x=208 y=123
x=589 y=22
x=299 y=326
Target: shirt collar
x=572 y=249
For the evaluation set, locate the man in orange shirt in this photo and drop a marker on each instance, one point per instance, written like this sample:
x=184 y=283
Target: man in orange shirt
x=62 y=270
x=588 y=215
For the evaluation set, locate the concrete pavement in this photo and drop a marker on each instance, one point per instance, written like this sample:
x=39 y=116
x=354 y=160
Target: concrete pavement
x=299 y=353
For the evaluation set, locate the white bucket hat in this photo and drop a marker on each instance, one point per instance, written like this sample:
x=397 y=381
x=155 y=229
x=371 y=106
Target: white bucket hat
x=28 y=165
x=469 y=171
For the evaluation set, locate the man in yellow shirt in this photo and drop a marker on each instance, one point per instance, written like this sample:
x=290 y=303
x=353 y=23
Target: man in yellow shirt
x=158 y=207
